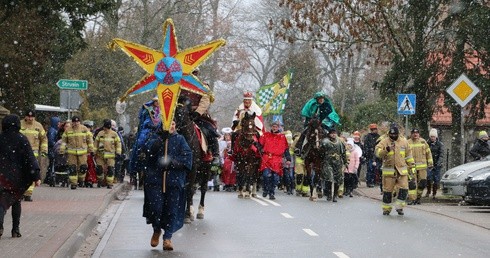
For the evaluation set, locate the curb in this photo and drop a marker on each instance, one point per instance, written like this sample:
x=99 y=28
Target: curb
x=71 y=246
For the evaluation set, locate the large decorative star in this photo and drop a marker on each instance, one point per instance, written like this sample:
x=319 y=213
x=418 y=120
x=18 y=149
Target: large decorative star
x=169 y=70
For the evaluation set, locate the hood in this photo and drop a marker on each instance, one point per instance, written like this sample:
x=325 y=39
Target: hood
x=54 y=121
x=11 y=123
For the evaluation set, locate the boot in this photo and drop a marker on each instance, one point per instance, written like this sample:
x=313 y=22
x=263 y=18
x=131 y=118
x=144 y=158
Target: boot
x=167 y=245
x=429 y=187
x=155 y=238
x=335 y=191
x=434 y=190
x=16 y=233
x=328 y=190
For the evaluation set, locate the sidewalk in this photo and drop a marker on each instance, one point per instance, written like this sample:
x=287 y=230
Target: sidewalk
x=446 y=206
x=57 y=222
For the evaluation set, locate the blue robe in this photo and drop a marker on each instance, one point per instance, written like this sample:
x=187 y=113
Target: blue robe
x=147 y=125
x=166 y=210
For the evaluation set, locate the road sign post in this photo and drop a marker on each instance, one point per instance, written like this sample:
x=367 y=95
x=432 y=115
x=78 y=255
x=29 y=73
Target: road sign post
x=406 y=106
x=463 y=90
x=65 y=84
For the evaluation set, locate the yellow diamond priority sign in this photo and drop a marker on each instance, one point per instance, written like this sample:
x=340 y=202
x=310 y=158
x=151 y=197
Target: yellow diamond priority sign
x=463 y=90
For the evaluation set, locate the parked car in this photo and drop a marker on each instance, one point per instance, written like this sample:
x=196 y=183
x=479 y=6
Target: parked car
x=478 y=188
x=453 y=181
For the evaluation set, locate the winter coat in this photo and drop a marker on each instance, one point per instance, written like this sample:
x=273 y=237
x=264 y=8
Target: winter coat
x=324 y=112
x=421 y=153
x=18 y=165
x=254 y=108
x=397 y=158
x=52 y=134
x=437 y=150
x=480 y=149
x=36 y=135
x=77 y=141
x=148 y=123
x=166 y=210
x=274 y=147
x=107 y=144
x=370 y=141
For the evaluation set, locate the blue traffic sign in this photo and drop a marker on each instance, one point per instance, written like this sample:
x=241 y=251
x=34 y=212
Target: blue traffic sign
x=406 y=104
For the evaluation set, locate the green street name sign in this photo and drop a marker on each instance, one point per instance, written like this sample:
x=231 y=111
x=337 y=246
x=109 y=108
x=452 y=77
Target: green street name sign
x=72 y=84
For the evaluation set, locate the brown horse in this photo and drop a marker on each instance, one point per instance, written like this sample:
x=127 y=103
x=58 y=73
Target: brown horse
x=313 y=157
x=247 y=156
x=201 y=165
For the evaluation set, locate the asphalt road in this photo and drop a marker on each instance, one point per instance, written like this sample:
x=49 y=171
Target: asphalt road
x=294 y=227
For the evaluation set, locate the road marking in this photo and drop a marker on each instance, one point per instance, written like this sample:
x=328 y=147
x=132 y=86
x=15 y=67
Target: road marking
x=260 y=202
x=341 y=255
x=287 y=216
x=310 y=232
x=108 y=233
x=269 y=201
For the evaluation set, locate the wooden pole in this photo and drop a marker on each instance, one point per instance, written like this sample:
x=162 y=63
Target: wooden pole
x=165 y=171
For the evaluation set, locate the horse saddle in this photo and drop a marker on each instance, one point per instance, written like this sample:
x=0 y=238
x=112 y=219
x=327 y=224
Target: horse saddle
x=204 y=144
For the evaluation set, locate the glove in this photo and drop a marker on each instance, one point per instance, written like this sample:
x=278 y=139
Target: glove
x=388 y=148
x=235 y=124
x=92 y=153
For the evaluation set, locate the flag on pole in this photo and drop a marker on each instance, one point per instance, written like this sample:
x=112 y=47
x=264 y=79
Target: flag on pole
x=272 y=98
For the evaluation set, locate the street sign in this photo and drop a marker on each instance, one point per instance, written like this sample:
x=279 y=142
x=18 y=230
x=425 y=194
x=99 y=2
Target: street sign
x=406 y=104
x=65 y=84
x=463 y=90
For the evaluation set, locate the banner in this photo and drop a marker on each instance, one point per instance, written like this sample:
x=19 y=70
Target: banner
x=272 y=98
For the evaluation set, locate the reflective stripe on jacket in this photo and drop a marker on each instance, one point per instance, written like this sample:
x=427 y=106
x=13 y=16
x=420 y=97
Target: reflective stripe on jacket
x=36 y=135
x=108 y=144
x=421 y=153
x=77 y=141
x=399 y=158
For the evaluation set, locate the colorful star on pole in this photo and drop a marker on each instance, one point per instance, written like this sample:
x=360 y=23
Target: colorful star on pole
x=169 y=70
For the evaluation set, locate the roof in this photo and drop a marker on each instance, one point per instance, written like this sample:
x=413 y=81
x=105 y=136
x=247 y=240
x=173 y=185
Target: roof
x=442 y=114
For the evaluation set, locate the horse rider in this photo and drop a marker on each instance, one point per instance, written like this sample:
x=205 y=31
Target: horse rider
x=208 y=126
x=319 y=107
x=251 y=107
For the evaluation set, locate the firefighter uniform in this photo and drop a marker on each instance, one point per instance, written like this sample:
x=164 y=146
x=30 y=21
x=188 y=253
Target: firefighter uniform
x=36 y=135
x=397 y=159
x=76 y=143
x=302 y=181
x=108 y=145
x=423 y=158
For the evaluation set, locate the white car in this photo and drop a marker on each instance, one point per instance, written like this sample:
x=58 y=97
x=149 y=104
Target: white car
x=453 y=181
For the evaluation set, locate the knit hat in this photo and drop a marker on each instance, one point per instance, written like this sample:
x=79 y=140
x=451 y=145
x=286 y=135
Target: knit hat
x=75 y=119
x=433 y=132
x=482 y=134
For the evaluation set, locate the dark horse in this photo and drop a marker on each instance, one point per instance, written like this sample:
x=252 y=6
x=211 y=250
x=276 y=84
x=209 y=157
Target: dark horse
x=247 y=156
x=313 y=157
x=201 y=165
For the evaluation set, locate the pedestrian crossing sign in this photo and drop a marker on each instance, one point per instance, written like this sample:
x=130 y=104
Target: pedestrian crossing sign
x=406 y=104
